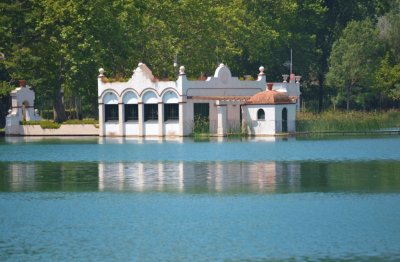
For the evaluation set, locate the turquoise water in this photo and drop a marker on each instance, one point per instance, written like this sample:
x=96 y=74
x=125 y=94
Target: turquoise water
x=301 y=199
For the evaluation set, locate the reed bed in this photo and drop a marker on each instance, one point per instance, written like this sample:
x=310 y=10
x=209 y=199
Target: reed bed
x=353 y=121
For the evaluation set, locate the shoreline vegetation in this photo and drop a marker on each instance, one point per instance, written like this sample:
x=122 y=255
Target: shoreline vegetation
x=329 y=122
x=348 y=122
x=307 y=123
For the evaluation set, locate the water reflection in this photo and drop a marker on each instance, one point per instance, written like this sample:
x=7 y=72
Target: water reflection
x=149 y=176
x=202 y=177
x=197 y=176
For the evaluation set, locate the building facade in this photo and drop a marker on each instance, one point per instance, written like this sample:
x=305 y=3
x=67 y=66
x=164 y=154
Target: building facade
x=144 y=106
x=22 y=108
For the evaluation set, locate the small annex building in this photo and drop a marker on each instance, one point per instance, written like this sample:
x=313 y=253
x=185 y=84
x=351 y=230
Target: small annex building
x=145 y=106
x=270 y=112
x=22 y=108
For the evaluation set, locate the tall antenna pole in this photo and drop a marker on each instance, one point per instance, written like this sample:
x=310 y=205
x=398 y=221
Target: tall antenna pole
x=176 y=64
x=291 y=61
x=176 y=60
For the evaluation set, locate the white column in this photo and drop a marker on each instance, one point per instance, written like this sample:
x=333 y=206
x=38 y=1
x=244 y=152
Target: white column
x=140 y=118
x=121 y=119
x=160 y=119
x=101 y=119
x=181 y=119
x=221 y=119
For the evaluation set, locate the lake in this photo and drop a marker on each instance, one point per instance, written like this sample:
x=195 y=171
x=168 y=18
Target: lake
x=266 y=199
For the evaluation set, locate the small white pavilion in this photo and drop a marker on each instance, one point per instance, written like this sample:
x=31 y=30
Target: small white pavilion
x=145 y=106
x=22 y=108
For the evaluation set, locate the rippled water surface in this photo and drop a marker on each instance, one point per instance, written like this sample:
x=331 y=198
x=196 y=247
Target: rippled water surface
x=210 y=200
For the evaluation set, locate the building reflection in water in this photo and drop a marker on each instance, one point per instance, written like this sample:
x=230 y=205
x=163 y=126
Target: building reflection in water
x=198 y=176
x=192 y=177
x=228 y=177
x=22 y=177
x=158 y=176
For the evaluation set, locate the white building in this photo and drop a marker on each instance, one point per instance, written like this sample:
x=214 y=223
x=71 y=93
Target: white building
x=22 y=108
x=145 y=106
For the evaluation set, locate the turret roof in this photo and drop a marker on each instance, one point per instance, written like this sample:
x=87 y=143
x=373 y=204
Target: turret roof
x=269 y=97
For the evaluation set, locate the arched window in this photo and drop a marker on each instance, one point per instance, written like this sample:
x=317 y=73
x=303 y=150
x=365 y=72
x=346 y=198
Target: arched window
x=111 y=107
x=131 y=107
x=150 y=106
x=171 y=106
x=260 y=114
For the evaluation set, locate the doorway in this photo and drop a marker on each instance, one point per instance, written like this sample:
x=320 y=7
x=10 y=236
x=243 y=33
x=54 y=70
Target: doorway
x=201 y=117
x=284 y=120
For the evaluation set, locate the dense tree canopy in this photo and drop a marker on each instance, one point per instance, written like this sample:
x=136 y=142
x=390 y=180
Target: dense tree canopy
x=353 y=62
x=57 y=46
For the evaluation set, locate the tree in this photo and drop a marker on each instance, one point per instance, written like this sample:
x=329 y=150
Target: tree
x=352 y=63
x=387 y=79
x=57 y=46
x=389 y=30
x=338 y=13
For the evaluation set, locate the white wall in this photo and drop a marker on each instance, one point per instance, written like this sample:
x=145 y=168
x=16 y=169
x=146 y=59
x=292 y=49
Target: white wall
x=273 y=118
x=171 y=128
x=188 y=117
x=233 y=116
x=64 y=130
x=150 y=128
x=149 y=90
x=131 y=128
x=259 y=127
x=221 y=84
x=111 y=128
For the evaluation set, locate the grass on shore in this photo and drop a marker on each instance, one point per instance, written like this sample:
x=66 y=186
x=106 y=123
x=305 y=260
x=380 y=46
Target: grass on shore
x=353 y=121
x=47 y=124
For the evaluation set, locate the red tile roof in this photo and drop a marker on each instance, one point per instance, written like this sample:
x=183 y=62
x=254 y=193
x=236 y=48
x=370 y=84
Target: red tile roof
x=224 y=98
x=269 y=97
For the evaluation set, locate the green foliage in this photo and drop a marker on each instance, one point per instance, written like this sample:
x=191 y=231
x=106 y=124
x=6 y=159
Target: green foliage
x=389 y=30
x=353 y=121
x=58 y=45
x=353 y=62
x=5 y=89
x=387 y=79
x=201 y=127
x=81 y=122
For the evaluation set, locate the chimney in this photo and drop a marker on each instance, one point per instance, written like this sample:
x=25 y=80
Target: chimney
x=269 y=85
x=22 y=83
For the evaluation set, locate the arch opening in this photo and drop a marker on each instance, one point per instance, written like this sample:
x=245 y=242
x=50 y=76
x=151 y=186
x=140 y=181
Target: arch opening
x=131 y=109
x=284 y=120
x=111 y=107
x=260 y=114
x=25 y=113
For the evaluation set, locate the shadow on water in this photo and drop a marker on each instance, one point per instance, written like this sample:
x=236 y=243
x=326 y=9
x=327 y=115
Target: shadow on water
x=227 y=177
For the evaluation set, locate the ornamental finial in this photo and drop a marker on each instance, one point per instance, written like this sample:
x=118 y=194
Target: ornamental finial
x=101 y=71
x=261 y=70
x=182 y=70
